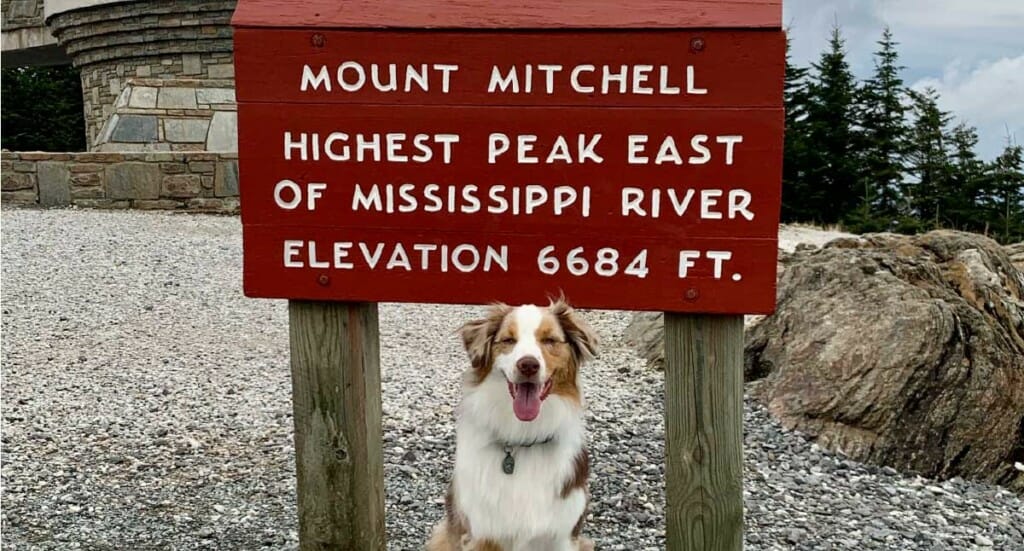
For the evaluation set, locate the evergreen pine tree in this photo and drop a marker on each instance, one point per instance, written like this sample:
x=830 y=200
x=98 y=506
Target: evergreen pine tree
x=1005 y=187
x=832 y=166
x=962 y=199
x=796 y=194
x=928 y=161
x=881 y=115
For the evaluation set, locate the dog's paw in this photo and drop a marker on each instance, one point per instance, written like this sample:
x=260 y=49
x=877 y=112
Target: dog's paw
x=584 y=544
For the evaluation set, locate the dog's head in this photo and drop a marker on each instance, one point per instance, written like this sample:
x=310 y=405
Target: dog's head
x=538 y=351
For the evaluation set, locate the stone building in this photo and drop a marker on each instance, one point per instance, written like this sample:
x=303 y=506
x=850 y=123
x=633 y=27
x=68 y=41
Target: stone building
x=155 y=73
x=158 y=90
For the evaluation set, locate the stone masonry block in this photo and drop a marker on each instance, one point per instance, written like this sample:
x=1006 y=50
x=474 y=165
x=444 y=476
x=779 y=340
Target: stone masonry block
x=78 y=168
x=86 y=193
x=215 y=95
x=102 y=157
x=221 y=71
x=41 y=156
x=181 y=185
x=173 y=168
x=186 y=130
x=20 y=197
x=86 y=180
x=177 y=98
x=191 y=64
x=54 y=184
x=200 y=167
x=133 y=181
x=15 y=181
x=143 y=97
x=225 y=180
x=223 y=132
x=135 y=129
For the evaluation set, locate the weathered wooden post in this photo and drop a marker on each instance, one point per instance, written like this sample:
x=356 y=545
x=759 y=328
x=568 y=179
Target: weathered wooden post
x=336 y=398
x=472 y=151
x=704 y=432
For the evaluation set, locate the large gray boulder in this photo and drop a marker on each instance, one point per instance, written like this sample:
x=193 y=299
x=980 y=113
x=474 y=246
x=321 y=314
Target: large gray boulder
x=901 y=351
x=1016 y=252
x=646 y=334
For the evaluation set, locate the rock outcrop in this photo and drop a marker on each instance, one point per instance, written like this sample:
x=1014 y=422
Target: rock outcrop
x=901 y=351
x=646 y=334
x=1016 y=252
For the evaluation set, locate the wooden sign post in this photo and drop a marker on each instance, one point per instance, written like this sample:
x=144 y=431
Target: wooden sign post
x=467 y=152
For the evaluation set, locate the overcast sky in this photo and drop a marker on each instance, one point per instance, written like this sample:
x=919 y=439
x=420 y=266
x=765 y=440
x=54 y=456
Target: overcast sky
x=971 y=51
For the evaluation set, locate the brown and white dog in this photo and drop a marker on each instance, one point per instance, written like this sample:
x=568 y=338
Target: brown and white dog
x=521 y=465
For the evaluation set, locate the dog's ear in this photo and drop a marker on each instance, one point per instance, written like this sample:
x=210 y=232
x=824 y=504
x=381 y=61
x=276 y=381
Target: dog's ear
x=580 y=336
x=478 y=335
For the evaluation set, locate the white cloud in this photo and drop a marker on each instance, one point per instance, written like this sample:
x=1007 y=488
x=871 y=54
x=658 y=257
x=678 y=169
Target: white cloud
x=969 y=50
x=952 y=14
x=986 y=95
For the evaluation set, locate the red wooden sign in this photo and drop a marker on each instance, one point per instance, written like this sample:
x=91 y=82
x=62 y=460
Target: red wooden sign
x=627 y=168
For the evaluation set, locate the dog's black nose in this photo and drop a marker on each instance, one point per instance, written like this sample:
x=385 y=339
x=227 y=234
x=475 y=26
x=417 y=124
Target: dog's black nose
x=528 y=366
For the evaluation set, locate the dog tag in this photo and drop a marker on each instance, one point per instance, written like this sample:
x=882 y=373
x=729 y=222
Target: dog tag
x=509 y=463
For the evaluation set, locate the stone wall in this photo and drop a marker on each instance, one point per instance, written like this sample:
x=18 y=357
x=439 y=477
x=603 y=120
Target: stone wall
x=19 y=14
x=190 y=181
x=102 y=83
x=172 y=115
x=158 y=39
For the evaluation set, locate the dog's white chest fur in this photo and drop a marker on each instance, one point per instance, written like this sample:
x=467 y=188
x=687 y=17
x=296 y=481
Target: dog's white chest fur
x=525 y=509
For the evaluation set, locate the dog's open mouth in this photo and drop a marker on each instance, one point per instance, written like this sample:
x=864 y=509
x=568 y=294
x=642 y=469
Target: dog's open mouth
x=526 y=398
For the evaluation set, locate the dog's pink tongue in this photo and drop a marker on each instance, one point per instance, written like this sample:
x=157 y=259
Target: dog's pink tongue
x=526 y=403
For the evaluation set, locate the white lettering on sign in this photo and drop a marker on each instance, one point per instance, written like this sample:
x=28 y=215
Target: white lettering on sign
x=469 y=199
x=464 y=257
x=392 y=147
x=351 y=76
x=667 y=151
x=648 y=203
x=574 y=79
x=586 y=79
x=577 y=262
x=287 y=188
x=558 y=151
x=627 y=186
x=689 y=259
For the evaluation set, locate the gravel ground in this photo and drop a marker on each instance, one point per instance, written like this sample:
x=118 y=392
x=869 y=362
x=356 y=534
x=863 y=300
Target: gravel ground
x=146 y=406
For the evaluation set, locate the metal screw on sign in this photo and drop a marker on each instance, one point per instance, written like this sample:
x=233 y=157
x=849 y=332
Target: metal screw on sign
x=692 y=294
x=323 y=280
x=696 y=44
x=318 y=40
